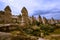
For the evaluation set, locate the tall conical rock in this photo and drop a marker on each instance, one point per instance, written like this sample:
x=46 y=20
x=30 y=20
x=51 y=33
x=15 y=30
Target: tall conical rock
x=8 y=15
x=25 y=19
x=7 y=8
x=52 y=21
x=39 y=19
x=24 y=10
x=45 y=21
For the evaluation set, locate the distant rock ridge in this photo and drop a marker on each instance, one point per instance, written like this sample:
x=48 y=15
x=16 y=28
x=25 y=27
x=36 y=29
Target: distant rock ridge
x=23 y=19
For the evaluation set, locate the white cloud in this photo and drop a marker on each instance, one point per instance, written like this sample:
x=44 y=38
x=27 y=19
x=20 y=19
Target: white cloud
x=16 y=5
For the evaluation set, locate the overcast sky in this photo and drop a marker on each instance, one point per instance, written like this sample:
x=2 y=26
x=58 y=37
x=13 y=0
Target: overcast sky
x=47 y=8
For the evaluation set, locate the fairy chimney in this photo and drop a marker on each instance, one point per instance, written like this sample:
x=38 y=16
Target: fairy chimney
x=45 y=21
x=8 y=14
x=24 y=16
x=39 y=19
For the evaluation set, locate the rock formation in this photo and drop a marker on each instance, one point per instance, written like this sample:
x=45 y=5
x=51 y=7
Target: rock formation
x=8 y=14
x=52 y=21
x=33 y=20
x=19 y=18
x=40 y=19
x=6 y=17
x=45 y=21
x=24 y=16
x=2 y=16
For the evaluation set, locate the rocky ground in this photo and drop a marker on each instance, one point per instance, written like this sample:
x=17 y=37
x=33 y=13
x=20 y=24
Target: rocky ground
x=5 y=36
x=9 y=36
